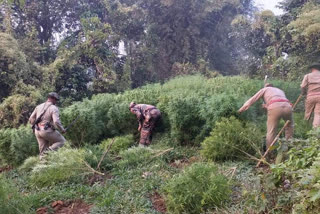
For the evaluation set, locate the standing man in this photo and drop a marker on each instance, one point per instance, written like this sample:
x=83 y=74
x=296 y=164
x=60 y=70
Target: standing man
x=45 y=120
x=147 y=116
x=278 y=107
x=310 y=86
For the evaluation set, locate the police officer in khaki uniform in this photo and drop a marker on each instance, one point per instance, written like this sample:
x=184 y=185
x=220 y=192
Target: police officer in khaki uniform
x=49 y=139
x=310 y=86
x=278 y=106
x=147 y=116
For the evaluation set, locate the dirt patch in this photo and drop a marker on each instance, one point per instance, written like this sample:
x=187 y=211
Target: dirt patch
x=66 y=207
x=158 y=203
x=5 y=169
x=101 y=179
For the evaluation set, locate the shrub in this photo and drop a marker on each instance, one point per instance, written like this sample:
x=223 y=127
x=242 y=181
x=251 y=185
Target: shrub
x=134 y=157
x=5 y=142
x=299 y=175
x=120 y=144
x=59 y=166
x=17 y=144
x=88 y=128
x=190 y=107
x=11 y=202
x=121 y=120
x=23 y=144
x=199 y=188
x=29 y=164
x=229 y=138
x=184 y=117
x=93 y=154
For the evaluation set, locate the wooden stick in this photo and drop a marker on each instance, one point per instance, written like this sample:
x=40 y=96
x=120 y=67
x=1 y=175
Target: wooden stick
x=162 y=152
x=278 y=135
x=91 y=169
x=105 y=153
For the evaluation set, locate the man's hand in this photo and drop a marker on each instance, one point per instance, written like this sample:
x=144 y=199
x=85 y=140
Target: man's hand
x=139 y=129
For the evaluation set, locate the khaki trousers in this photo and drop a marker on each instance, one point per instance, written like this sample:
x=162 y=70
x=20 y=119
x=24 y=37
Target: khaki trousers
x=313 y=105
x=49 y=140
x=274 y=115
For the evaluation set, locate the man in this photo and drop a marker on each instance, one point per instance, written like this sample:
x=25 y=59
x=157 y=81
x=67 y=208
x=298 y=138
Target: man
x=278 y=107
x=49 y=139
x=310 y=86
x=147 y=116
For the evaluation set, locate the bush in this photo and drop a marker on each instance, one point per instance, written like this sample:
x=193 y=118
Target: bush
x=16 y=145
x=134 y=157
x=120 y=144
x=29 y=164
x=184 y=117
x=190 y=107
x=88 y=128
x=229 y=138
x=59 y=166
x=23 y=144
x=11 y=202
x=6 y=155
x=198 y=189
x=93 y=154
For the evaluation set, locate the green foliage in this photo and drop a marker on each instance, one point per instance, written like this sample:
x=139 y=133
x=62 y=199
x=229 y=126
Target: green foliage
x=16 y=109
x=230 y=138
x=198 y=189
x=134 y=157
x=60 y=166
x=16 y=145
x=301 y=169
x=184 y=117
x=29 y=164
x=120 y=144
x=23 y=144
x=93 y=155
x=11 y=201
x=190 y=107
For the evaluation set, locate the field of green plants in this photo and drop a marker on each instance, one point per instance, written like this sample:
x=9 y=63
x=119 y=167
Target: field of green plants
x=201 y=159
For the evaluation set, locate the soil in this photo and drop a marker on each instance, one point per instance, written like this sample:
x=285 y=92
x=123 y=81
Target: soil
x=101 y=179
x=66 y=207
x=5 y=169
x=158 y=203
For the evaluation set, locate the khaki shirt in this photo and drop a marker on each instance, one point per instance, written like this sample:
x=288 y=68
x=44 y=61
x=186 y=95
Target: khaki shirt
x=51 y=116
x=311 y=84
x=268 y=94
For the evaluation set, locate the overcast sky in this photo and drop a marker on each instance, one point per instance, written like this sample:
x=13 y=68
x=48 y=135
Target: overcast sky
x=269 y=5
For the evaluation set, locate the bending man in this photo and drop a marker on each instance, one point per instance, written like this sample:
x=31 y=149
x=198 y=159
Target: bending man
x=147 y=116
x=278 y=107
x=310 y=86
x=49 y=139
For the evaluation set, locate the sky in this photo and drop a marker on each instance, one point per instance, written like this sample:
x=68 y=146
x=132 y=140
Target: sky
x=269 y=5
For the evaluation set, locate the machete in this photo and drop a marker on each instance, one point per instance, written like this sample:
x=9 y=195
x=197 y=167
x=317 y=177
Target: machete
x=72 y=123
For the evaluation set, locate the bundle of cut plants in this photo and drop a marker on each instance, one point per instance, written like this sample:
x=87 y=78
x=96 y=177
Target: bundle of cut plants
x=67 y=164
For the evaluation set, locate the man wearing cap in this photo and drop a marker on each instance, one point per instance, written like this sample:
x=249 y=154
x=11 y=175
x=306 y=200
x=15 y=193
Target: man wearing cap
x=310 y=86
x=278 y=107
x=49 y=139
x=147 y=116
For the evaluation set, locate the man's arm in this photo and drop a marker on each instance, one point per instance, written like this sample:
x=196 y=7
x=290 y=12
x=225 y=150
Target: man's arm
x=56 y=119
x=304 y=85
x=252 y=100
x=33 y=118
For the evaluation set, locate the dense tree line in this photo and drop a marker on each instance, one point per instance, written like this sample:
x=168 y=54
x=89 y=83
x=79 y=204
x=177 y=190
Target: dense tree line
x=80 y=48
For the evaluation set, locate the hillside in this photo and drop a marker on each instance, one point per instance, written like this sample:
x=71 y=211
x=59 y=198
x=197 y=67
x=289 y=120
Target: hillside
x=190 y=167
